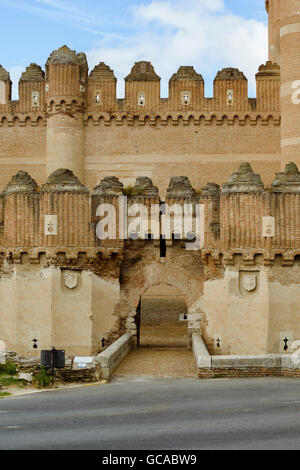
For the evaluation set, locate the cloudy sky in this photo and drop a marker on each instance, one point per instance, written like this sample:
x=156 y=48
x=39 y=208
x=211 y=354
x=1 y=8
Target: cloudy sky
x=209 y=34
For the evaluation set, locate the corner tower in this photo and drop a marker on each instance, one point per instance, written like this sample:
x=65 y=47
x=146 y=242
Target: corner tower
x=290 y=80
x=66 y=83
x=273 y=9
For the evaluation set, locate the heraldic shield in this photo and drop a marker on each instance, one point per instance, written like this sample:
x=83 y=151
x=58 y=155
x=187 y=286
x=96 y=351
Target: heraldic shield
x=248 y=281
x=71 y=279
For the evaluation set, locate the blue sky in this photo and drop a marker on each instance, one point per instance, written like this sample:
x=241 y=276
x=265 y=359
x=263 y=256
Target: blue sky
x=209 y=34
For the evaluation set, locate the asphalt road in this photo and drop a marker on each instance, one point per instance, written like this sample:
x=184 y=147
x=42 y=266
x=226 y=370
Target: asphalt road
x=162 y=414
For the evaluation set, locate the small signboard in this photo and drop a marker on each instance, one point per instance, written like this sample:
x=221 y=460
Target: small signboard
x=82 y=362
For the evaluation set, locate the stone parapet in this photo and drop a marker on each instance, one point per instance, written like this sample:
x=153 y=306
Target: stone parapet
x=202 y=357
x=113 y=356
x=250 y=366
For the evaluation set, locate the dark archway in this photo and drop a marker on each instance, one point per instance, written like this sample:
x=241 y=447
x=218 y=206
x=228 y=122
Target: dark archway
x=162 y=318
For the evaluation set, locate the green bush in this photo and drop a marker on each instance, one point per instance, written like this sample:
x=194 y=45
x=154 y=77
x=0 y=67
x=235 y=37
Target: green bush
x=128 y=191
x=131 y=191
x=42 y=379
x=10 y=368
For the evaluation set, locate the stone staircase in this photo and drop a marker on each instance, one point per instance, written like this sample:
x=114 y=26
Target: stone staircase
x=157 y=363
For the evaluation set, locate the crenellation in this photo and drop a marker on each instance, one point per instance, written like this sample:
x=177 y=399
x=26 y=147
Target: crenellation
x=67 y=79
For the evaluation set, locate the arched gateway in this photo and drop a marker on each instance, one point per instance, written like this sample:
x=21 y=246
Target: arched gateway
x=156 y=303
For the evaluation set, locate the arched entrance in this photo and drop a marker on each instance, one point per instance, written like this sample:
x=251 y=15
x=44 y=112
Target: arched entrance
x=162 y=318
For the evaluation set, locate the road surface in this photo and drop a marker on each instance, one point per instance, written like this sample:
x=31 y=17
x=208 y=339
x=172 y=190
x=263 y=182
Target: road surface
x=163 y=414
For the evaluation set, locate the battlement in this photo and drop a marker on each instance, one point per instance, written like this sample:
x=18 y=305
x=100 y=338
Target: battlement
x=66 y=79
x=69 y=117
x=241 y=218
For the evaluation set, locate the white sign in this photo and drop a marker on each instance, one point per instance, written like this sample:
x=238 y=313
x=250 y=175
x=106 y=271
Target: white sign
x=268 y=227
x=50 y=224
x=83 y=360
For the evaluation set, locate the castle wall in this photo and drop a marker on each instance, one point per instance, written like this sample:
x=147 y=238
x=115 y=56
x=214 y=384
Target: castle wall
x=105 y=295
x=284 y=319
x=206 y=151
x=60 y=285
x=26 y=308
x=22 y=147
x=36 y=304
x=71 y=313
x=33 y=308
x=67 y=118
x=238 y=318
x=8 y=319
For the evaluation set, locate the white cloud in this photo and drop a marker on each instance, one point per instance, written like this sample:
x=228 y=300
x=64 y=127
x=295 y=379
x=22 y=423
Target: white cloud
x=171 y=33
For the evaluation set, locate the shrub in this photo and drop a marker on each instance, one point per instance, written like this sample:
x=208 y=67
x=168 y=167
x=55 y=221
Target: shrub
x=131 y=191
x=128 y=191
x=42 y=379
x=10 y=368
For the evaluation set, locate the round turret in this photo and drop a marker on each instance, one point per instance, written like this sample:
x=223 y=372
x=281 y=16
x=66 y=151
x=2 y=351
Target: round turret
x=244 y=181
x=109 y=186
x=22 y=182
x=66 y=82
x=63 y=181
x=180 y=187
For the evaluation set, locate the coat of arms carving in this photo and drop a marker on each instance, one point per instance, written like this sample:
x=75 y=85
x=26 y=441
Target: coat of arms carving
x=71 y=279
x=249 y=282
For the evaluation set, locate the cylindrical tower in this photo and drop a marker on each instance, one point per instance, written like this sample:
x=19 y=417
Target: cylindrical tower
x=290 y=80
x=273 y=9
x=66 y=82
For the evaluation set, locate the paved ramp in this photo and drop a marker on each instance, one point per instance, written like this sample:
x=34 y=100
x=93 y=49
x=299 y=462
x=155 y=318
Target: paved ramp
x=166 y=363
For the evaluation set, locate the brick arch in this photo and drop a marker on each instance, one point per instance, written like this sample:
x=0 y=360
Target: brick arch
x=156 y=274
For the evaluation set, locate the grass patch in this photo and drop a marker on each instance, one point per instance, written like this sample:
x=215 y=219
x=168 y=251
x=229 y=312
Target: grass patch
x=7 y=381
x=4 y=394
x=8 y=377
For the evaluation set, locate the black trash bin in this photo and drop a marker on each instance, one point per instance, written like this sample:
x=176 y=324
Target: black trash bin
x=54 y=359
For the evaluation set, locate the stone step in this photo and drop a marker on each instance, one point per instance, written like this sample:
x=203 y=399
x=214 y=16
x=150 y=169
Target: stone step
x=156 y=363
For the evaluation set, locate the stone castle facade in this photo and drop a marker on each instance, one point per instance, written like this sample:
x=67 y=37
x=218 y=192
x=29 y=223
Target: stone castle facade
x=68 y=133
